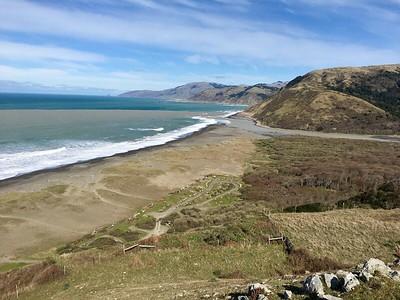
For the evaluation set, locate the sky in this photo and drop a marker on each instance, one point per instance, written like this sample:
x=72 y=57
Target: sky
x=110 y=46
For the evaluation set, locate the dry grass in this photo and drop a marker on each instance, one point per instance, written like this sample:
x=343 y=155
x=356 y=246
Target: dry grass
x=349 y=236
x=301 y=261
x=28 y=277
x=114 y=275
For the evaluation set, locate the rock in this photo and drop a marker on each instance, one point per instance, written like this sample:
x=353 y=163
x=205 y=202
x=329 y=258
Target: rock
x=259 y=287
x=243 y=298
x=255 y=290
x=287 y=295
x=313 y=285
x=365 y=276
x=396 y=262
x=395 y=275
x=376 y=265
x=329 y=297
x=332 y=281
x=350 y=282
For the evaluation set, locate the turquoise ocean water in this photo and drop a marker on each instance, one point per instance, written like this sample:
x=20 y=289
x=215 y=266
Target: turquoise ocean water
x=47 y=131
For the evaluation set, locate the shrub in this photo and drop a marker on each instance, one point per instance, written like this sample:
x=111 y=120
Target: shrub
x=301 y=261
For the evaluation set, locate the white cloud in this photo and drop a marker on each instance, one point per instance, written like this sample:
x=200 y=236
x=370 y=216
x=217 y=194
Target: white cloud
x=199 y=59
x=55 y=79
x=225 y=39
x=23 y=51
x=116 y=80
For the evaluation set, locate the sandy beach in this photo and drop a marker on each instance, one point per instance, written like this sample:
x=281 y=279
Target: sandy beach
x=47 y=209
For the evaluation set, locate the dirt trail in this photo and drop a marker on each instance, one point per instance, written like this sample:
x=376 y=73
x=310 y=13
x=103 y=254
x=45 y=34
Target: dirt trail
x=244 y=122
x=160 y=229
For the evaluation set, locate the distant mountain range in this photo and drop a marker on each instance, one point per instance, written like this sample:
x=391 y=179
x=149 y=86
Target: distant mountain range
x=213 y=92
x=364 y=99
x=9 y=86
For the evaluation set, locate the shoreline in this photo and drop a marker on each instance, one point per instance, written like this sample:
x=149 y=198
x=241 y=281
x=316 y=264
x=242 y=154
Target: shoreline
x=15 y=179
x=52 y=207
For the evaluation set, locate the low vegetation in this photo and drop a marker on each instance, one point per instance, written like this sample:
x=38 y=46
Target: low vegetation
x=314 y=174
x=217 y=230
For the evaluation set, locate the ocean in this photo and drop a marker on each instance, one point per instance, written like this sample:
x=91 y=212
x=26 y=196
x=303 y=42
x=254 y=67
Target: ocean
x=40 y=132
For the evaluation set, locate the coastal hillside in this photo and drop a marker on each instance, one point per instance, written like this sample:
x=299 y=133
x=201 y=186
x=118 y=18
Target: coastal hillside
x=213 y=92
x=292 y=214
x=238 y=94
x=365 y=100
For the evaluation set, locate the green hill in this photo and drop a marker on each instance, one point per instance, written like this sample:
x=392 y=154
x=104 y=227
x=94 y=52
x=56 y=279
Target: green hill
x=365 y=100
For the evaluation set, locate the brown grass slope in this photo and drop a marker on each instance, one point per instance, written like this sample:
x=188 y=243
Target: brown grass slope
x=364 y=100
x=241 y=94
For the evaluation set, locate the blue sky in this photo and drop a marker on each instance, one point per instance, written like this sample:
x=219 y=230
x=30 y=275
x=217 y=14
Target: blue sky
x=103 y=46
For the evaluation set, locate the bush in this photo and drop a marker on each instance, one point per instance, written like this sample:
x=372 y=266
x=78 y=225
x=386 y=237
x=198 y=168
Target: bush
x=145 y=222
x=301 y=261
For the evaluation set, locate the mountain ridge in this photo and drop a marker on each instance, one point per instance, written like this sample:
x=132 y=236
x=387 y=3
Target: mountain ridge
x=213 y=92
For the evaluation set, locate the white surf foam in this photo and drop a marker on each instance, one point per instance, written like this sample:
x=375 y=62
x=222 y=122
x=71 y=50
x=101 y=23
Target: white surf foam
x=20 y=163
x=147 y=129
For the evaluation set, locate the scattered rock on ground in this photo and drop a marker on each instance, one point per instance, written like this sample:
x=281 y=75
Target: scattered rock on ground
x=350 y=282
x=332 y=281
x=365 y=276
x=376 y=265
x=329 y=297
x=313 y=285
x=287 y=295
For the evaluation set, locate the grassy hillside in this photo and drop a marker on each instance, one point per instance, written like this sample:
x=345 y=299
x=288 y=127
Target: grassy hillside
x=237 y=94
x=365 y=100
x=213 y=92
x=212 y=235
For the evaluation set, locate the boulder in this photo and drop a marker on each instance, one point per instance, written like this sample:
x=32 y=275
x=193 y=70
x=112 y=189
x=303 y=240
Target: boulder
x=257 y=290
x=365 y=276
x=350 y=282
x=332 y=281
x=376 y=265
x=313 y=285
x=287 y=295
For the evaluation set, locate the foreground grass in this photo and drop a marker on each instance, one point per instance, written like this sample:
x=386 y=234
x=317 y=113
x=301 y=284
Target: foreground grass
x=96 y=272
x=348 y=235
x=376 y=289
x=11 y=266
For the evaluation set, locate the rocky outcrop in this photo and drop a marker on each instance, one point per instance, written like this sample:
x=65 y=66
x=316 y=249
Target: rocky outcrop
x=254 y=291
x=373 y=266
x=332 y=281
x=325 y=286
x=350 y=281
x=313 y=285
x=344 y=281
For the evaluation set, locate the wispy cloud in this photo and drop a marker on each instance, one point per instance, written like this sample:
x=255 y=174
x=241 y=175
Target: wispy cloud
x=227 y=37
x=196 y=39
x=23 y=51
x=198 y=59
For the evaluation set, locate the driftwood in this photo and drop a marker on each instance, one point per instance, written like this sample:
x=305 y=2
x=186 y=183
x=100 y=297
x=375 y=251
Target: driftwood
x=138 y=246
